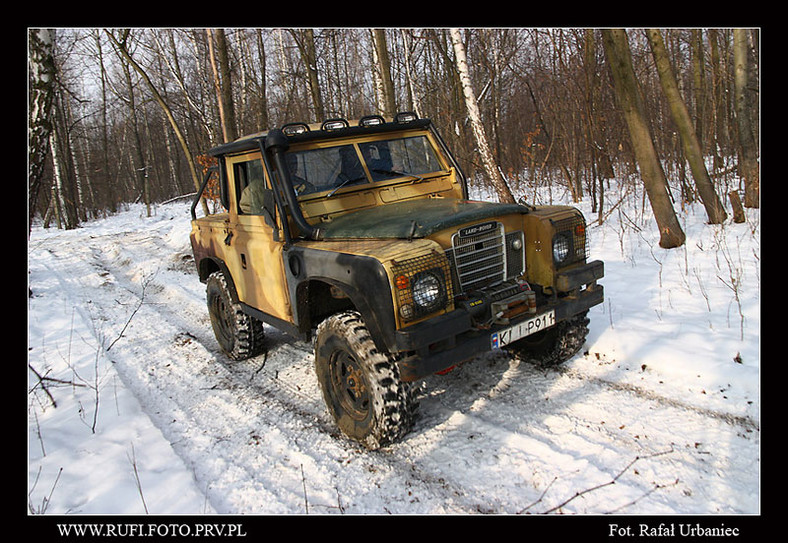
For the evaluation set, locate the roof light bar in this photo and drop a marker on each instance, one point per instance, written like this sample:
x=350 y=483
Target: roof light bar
x=292 y=129
x=405 y=117
x=371 y=120
x=334 y=124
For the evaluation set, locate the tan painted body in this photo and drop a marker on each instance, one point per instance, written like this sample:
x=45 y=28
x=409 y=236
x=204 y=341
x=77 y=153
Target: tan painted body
x=251 y=246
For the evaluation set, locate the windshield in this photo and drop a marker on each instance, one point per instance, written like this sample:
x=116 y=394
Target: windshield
x=328 y=169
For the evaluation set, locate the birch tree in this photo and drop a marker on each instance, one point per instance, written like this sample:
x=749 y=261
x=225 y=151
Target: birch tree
x=262 y=97
x=42 y=91
x=748 y=161
x=220 y=64
x=388 y=101
x=413 y=98
x=490 y=167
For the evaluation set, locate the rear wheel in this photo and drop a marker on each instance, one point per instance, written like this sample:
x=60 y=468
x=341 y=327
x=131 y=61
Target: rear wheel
x=361 y=385
x=554 y=345
x=239 y=335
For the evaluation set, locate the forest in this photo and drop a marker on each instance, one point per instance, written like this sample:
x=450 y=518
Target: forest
x=126 y=115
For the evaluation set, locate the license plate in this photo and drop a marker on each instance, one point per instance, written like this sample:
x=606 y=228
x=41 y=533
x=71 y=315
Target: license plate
x=520 y=330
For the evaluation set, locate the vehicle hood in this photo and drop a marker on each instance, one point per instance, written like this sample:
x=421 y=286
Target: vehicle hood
x=413 y=218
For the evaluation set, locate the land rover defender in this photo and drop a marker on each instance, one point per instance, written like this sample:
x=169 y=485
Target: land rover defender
x=360 y=237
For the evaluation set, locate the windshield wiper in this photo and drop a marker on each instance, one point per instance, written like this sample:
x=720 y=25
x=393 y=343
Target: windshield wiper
x=396 y=173
x=345 y=182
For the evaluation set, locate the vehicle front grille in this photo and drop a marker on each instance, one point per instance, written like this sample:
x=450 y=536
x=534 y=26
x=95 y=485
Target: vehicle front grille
x=481 y=255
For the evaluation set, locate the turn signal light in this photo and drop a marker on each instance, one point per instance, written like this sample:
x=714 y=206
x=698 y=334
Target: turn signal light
x=402 y=282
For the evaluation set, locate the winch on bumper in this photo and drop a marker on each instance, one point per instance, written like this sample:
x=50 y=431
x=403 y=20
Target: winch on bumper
x=486 y=321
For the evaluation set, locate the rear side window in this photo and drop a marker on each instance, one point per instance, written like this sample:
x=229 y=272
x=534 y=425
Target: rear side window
x=256 y=198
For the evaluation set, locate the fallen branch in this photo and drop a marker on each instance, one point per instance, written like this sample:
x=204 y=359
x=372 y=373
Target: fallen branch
x=139 y=305
x=43 y=379
x=40 y=510
x=303 y=482
x=608 y=483
x=133 y=460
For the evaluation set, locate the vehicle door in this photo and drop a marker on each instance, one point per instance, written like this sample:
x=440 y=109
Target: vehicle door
x=257 y=265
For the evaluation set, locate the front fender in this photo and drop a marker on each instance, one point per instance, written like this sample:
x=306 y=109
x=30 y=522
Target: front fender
x=363 y=279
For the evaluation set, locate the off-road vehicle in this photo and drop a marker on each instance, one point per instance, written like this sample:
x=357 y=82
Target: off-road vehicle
x=360 y=236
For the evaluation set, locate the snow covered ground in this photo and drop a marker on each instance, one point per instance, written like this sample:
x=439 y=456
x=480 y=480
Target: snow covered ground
x=143 y=415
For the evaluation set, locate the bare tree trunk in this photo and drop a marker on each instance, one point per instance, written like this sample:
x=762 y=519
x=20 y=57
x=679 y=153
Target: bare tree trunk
x=62 y=160
x=689 y=140
x=71 y=149
x=491 y=168
x=306 y=45
x=592 y=146
x=738 y=210
x=384 y=69
x=630 y=101
x=222 y=83
x=111 y=193
x=59 y=186
x=377 y=81
x=720 y=128
x=748 y=167
x=223 y=56
x=139 y=167
x=413 y=99
x=699 y=86
x=82 y=150
x=263 y=122
x=42 y=91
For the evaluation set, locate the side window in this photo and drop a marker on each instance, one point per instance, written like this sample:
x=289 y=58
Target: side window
x=255 y=198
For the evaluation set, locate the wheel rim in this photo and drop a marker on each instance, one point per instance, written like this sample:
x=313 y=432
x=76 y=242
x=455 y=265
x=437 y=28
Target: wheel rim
x=220 y=318
x=349 y=385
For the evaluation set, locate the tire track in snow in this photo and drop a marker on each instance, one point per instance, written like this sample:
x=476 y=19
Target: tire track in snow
x=563 y=424
x=273 y=386
x=246 y=428
x=746 y=423
x=260 y=384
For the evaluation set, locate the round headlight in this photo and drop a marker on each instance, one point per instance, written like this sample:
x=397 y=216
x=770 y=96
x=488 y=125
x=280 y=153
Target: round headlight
x=426 y=290
x=561 y=248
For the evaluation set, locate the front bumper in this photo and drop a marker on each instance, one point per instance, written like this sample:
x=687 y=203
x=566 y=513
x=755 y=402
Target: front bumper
x=447 y=340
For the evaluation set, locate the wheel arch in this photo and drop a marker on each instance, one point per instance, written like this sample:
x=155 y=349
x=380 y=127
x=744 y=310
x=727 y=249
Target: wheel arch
x=209 y=265
x=318 y=298
x=326 y=280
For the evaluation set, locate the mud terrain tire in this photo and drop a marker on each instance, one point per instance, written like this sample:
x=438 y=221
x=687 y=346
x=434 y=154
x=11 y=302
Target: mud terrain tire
x=555 y=345
x=239 y=335
x=361 y=386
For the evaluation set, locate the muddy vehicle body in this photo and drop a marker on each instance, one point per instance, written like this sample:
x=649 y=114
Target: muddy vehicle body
x=359 y=236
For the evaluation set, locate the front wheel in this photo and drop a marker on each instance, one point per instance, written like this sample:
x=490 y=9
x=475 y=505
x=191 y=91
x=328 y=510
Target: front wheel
x=361 y=385
x=555 y=345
